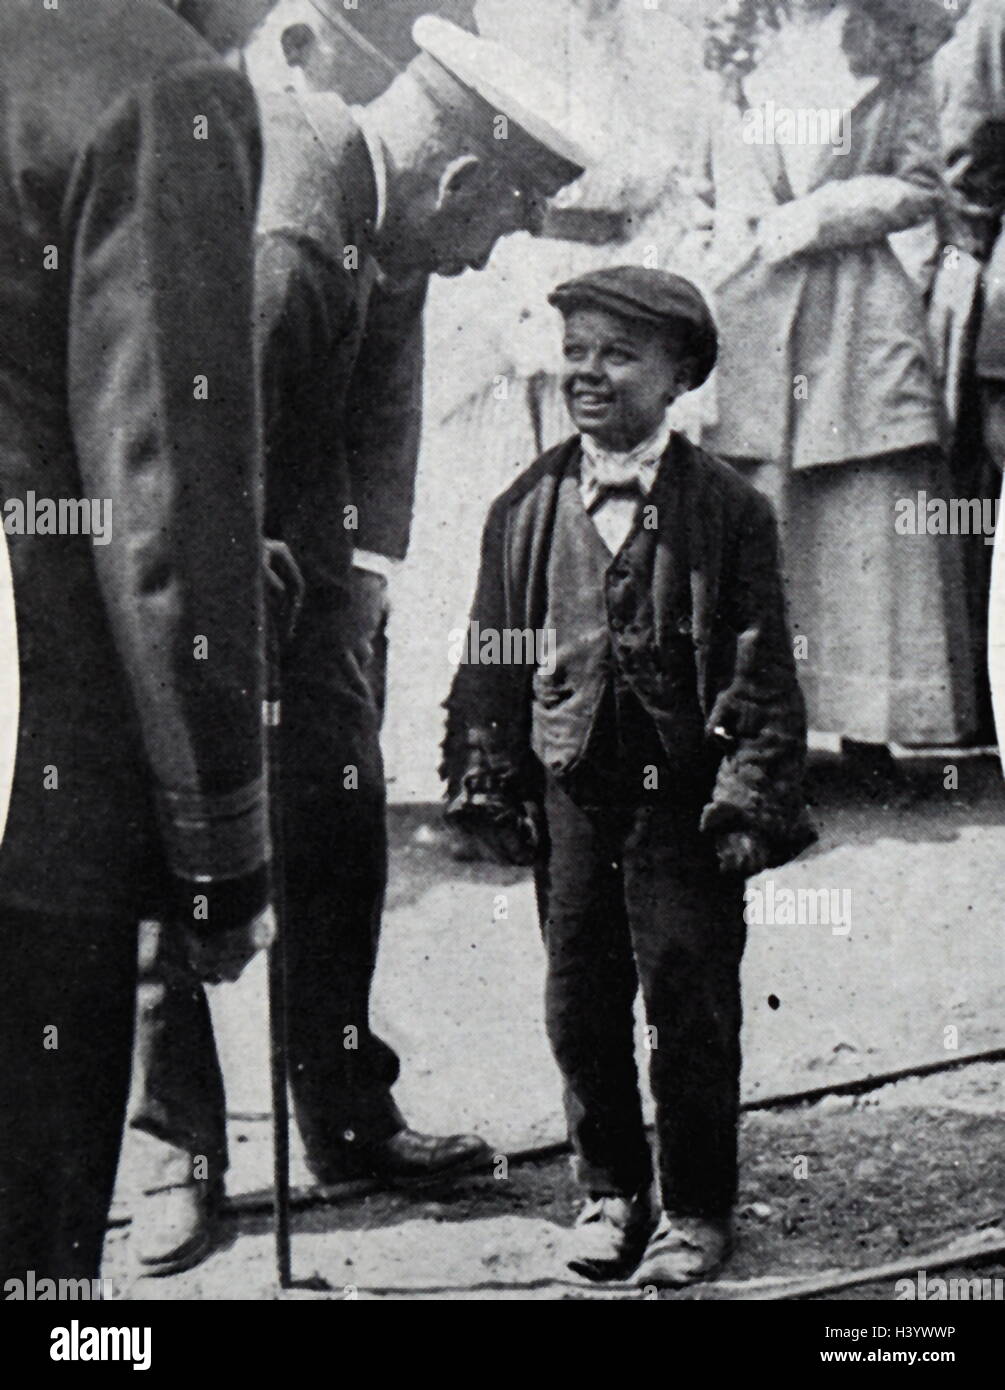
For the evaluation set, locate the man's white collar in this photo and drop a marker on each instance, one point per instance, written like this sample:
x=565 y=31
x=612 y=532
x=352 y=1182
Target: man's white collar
x=378 y=158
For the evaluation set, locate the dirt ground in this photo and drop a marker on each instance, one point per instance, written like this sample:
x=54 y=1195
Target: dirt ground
x=846 y=1182
x=892 y=1174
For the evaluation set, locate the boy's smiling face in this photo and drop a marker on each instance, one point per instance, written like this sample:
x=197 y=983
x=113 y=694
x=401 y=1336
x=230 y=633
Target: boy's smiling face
x=620 y=375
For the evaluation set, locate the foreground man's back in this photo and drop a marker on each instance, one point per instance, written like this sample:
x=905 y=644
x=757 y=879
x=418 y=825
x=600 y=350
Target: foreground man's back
x=129 y=168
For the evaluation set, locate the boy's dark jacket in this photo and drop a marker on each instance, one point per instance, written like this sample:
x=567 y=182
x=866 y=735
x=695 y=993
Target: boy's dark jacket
x=715 y=577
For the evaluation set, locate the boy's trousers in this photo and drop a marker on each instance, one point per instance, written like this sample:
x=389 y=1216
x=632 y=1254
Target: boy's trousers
x=631 y=896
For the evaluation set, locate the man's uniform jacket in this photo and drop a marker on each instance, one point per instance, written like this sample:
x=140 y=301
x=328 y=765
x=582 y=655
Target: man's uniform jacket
x=341 y=347
x=715 y=579
x=153 y=756
x=331 y=376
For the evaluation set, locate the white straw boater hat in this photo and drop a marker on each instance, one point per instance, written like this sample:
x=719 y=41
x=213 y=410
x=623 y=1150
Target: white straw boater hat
x=479 y=80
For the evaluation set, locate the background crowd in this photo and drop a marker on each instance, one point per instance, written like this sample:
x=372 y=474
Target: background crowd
x=868 y=295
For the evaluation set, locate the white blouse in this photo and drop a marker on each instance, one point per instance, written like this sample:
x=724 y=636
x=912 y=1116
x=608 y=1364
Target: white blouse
x=806 y=68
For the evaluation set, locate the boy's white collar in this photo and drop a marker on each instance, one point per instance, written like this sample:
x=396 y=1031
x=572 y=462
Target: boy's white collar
x=605 y=466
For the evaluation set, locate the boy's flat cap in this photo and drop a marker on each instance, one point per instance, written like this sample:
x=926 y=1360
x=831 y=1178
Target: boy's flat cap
x=648 y=296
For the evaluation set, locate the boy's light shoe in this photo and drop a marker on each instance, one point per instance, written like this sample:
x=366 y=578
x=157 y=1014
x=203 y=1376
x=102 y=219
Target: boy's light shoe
x=174 y=1228
x=684 y=1250
x=609 y=1236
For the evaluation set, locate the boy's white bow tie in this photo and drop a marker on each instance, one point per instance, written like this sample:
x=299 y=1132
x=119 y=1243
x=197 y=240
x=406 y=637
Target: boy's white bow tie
x=604 y=469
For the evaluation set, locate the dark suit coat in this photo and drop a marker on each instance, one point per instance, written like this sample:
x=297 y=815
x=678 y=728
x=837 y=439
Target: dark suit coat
x=341 y=350
x=384 y=417
x=716 y=577
x=98 y=361
x=972 y=98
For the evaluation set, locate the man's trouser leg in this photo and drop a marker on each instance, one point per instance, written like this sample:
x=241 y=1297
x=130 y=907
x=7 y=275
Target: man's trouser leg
x=336 y=871
x=178 y=1096
x=336 y=874
x=67 y=990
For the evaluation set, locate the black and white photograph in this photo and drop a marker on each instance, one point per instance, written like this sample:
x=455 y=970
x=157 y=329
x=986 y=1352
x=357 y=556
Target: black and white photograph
x=502 y=628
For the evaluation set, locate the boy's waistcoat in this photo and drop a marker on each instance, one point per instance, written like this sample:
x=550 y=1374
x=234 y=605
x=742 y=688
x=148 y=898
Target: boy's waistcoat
x=601 y=633
x=712 y=585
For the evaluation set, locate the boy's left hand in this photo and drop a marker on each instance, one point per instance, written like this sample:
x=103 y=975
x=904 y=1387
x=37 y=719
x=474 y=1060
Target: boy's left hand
x=742 y=852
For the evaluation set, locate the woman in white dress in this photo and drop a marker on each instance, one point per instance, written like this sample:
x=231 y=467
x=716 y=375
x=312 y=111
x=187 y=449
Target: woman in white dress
x=821 y=143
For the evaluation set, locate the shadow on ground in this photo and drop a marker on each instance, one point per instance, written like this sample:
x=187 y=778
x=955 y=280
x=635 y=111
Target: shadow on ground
x=841 y=1184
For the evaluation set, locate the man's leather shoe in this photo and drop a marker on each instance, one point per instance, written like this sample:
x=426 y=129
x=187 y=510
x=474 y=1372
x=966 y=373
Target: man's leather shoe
x=609 y=1236
x=684 y=1250
x=409 y=1158
x=174 y=1227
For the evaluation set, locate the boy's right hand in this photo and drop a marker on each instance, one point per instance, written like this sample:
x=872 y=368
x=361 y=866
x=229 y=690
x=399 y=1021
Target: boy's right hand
x=742 y=852
x=505 y=844
x=506 y=833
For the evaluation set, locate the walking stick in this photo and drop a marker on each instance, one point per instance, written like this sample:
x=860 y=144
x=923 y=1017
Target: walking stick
x=278 y=1054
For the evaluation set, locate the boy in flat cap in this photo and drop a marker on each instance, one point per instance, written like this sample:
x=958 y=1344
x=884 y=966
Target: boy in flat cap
x=647 y=761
